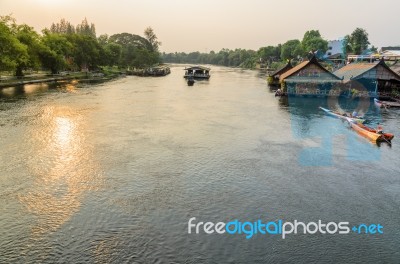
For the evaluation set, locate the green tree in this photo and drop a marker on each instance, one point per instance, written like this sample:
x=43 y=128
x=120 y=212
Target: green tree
x=56 y=52
x=357 y=41
x=291 y=49
x=12 y=51
x=269 y=53
x=152 y=38
x=86 y=51
x=113 y=53
x=312 y=41
x=85 y=29
x=31 y=39
x=135 y=48
x=62 y=27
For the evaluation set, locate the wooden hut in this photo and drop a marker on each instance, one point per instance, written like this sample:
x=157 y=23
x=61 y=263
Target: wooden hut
x=371 y=78
x=308 y=78
x=273 y=78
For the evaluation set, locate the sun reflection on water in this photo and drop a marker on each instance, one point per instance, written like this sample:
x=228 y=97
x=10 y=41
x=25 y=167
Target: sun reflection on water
x=63 y=168
x=63 y=131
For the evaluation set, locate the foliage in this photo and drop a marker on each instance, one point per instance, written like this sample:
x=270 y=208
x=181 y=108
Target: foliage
x=152 y=39
x=270 y=80
x=312 y=41
x=12 y=51
x=291 y=49
x=225 y=57
x=269 y=54
x=357 y=41
x=31 y=39
x=58 y=48
x=64 y=46
x=85 y=29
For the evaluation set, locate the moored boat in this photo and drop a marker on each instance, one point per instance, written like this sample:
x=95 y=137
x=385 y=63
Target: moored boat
x=342 y=116
x=378 y=103
x=369 y=133
x=386 y=104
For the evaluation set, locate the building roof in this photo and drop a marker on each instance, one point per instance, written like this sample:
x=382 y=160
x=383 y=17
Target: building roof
x=391 y=52
x=304 y=64
x=396 y=67
x=198 y=68
x=354 y=70
x=282 y=70
x=383 y=49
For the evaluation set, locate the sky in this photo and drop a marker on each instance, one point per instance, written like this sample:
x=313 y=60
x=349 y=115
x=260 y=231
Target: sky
x=205 y=25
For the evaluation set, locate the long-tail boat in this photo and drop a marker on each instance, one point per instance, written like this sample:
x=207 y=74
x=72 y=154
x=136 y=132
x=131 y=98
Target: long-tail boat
x=342 y=116
x=369 y=133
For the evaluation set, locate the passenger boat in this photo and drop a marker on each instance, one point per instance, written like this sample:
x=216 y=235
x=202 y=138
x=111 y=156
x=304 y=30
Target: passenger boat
x=369 y=133
x=341 y=116
x=197 y=72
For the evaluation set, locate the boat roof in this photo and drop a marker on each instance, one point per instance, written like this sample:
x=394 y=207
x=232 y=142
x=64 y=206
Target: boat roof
x=197 y=68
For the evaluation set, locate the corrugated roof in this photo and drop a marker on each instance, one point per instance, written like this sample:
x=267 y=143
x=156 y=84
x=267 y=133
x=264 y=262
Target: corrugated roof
x=304 y=64
x=391 y=53
x=396 y=68
x=353 y=70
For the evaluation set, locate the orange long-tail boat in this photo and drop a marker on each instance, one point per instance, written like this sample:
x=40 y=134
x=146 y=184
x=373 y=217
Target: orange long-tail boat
x=370 y=133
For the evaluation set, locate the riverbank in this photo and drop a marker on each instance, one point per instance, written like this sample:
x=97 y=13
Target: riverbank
x=83 y=77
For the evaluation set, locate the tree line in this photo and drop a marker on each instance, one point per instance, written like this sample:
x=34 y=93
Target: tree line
x=64 y=46
x=294 y=49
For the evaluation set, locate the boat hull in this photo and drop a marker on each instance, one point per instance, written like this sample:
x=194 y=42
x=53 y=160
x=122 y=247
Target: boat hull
x=330 y=113
x=370 y=133
x=197 y=77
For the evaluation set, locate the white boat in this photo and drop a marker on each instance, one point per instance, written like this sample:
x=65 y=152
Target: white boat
x=341 y=116
x=197 y=72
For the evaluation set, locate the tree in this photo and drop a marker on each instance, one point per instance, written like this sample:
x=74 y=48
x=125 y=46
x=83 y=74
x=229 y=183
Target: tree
x=85 y=29
x=113 y=53
x=291 y=49
x=152 y=38
x=312 y=41
x=357 y=42
x=269 y=53
x=86 y=51
x=134 y=47
x=57 y=50
x=62 y=27
x=31 y=39
x=12 y=51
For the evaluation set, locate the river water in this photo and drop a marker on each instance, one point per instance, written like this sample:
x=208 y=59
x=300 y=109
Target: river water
x=113 y=172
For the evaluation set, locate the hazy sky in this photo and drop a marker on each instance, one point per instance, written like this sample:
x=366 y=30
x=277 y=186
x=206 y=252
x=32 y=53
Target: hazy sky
x=205 y=25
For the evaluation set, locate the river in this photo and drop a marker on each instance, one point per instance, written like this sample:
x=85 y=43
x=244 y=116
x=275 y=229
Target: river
x=112 y=173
